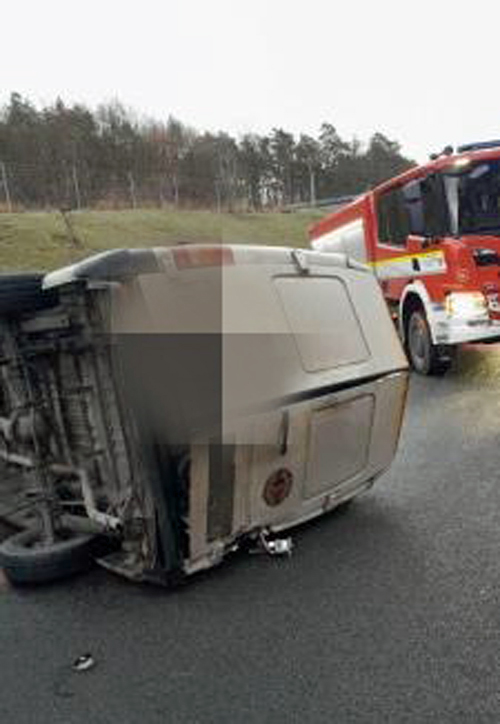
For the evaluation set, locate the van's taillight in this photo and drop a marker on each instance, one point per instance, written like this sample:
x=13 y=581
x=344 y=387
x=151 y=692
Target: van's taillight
x=194 y=258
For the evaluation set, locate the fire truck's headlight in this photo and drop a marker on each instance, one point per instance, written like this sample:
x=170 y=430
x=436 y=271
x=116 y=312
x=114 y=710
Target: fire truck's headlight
x=466 y=304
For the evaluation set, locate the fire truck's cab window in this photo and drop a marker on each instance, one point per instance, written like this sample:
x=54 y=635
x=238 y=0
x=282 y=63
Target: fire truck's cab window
x=479 y=199
x=435 y=204
x=412 y=193
x=393 y=218
x=420 y=207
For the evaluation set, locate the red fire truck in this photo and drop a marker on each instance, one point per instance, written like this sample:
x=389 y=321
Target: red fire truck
x=432 y=237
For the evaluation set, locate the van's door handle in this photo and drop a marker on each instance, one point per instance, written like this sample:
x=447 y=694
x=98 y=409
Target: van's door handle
x=284 y=431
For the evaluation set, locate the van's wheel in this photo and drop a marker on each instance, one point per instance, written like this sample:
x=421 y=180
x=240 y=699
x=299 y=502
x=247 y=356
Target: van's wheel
x=23 y=292
x=426 y=357
x=26 y=558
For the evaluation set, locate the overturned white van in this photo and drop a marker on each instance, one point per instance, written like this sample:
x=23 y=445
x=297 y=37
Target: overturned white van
x=168 y=405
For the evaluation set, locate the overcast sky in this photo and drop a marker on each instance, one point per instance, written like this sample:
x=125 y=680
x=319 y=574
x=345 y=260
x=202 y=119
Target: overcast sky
x=425 y=73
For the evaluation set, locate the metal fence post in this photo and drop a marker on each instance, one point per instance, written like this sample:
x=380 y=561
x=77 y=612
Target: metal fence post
x=77 y=189
x=131 y=184
x=5 y=184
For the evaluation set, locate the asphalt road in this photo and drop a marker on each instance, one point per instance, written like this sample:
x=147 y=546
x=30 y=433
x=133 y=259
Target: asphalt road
x=389 y=612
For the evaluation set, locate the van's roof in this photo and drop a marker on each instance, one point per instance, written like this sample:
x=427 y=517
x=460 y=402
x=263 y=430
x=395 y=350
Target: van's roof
x=120 y=264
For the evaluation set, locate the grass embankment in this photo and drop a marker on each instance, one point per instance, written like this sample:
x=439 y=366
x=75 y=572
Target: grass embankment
x=42 y=241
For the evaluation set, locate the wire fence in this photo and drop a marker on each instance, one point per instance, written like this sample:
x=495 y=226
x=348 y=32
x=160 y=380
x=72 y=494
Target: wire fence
x=26 y=186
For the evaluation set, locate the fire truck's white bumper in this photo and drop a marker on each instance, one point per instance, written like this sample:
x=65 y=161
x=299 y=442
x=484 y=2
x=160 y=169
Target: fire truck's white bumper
x=455 y=330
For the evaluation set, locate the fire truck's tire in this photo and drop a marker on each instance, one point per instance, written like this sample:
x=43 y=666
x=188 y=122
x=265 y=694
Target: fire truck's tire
x=25 y=561
x=425 y=357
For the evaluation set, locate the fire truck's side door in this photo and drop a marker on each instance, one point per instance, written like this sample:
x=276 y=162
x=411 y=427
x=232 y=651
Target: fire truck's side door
x=429 y=222
x=391 y=246
x=411 y=220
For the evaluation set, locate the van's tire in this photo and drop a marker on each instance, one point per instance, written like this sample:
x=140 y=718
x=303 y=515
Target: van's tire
x=24 y=559
x=426 y=358
x=23 y=293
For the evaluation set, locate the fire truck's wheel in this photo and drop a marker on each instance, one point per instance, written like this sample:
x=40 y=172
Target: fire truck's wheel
x=425 y=357
x=25 y=558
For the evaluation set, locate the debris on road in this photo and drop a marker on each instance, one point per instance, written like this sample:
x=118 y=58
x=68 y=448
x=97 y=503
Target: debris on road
x=274 y=546
x=85 y=662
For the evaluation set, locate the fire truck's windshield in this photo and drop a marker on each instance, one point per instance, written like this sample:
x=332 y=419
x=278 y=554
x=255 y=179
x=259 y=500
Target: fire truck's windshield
x=474 y=198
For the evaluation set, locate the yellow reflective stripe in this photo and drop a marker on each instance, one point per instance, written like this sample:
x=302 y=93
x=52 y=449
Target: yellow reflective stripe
x=406 y=257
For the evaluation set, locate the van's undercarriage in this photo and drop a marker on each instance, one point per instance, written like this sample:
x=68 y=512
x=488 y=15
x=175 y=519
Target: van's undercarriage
x=62 y=423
